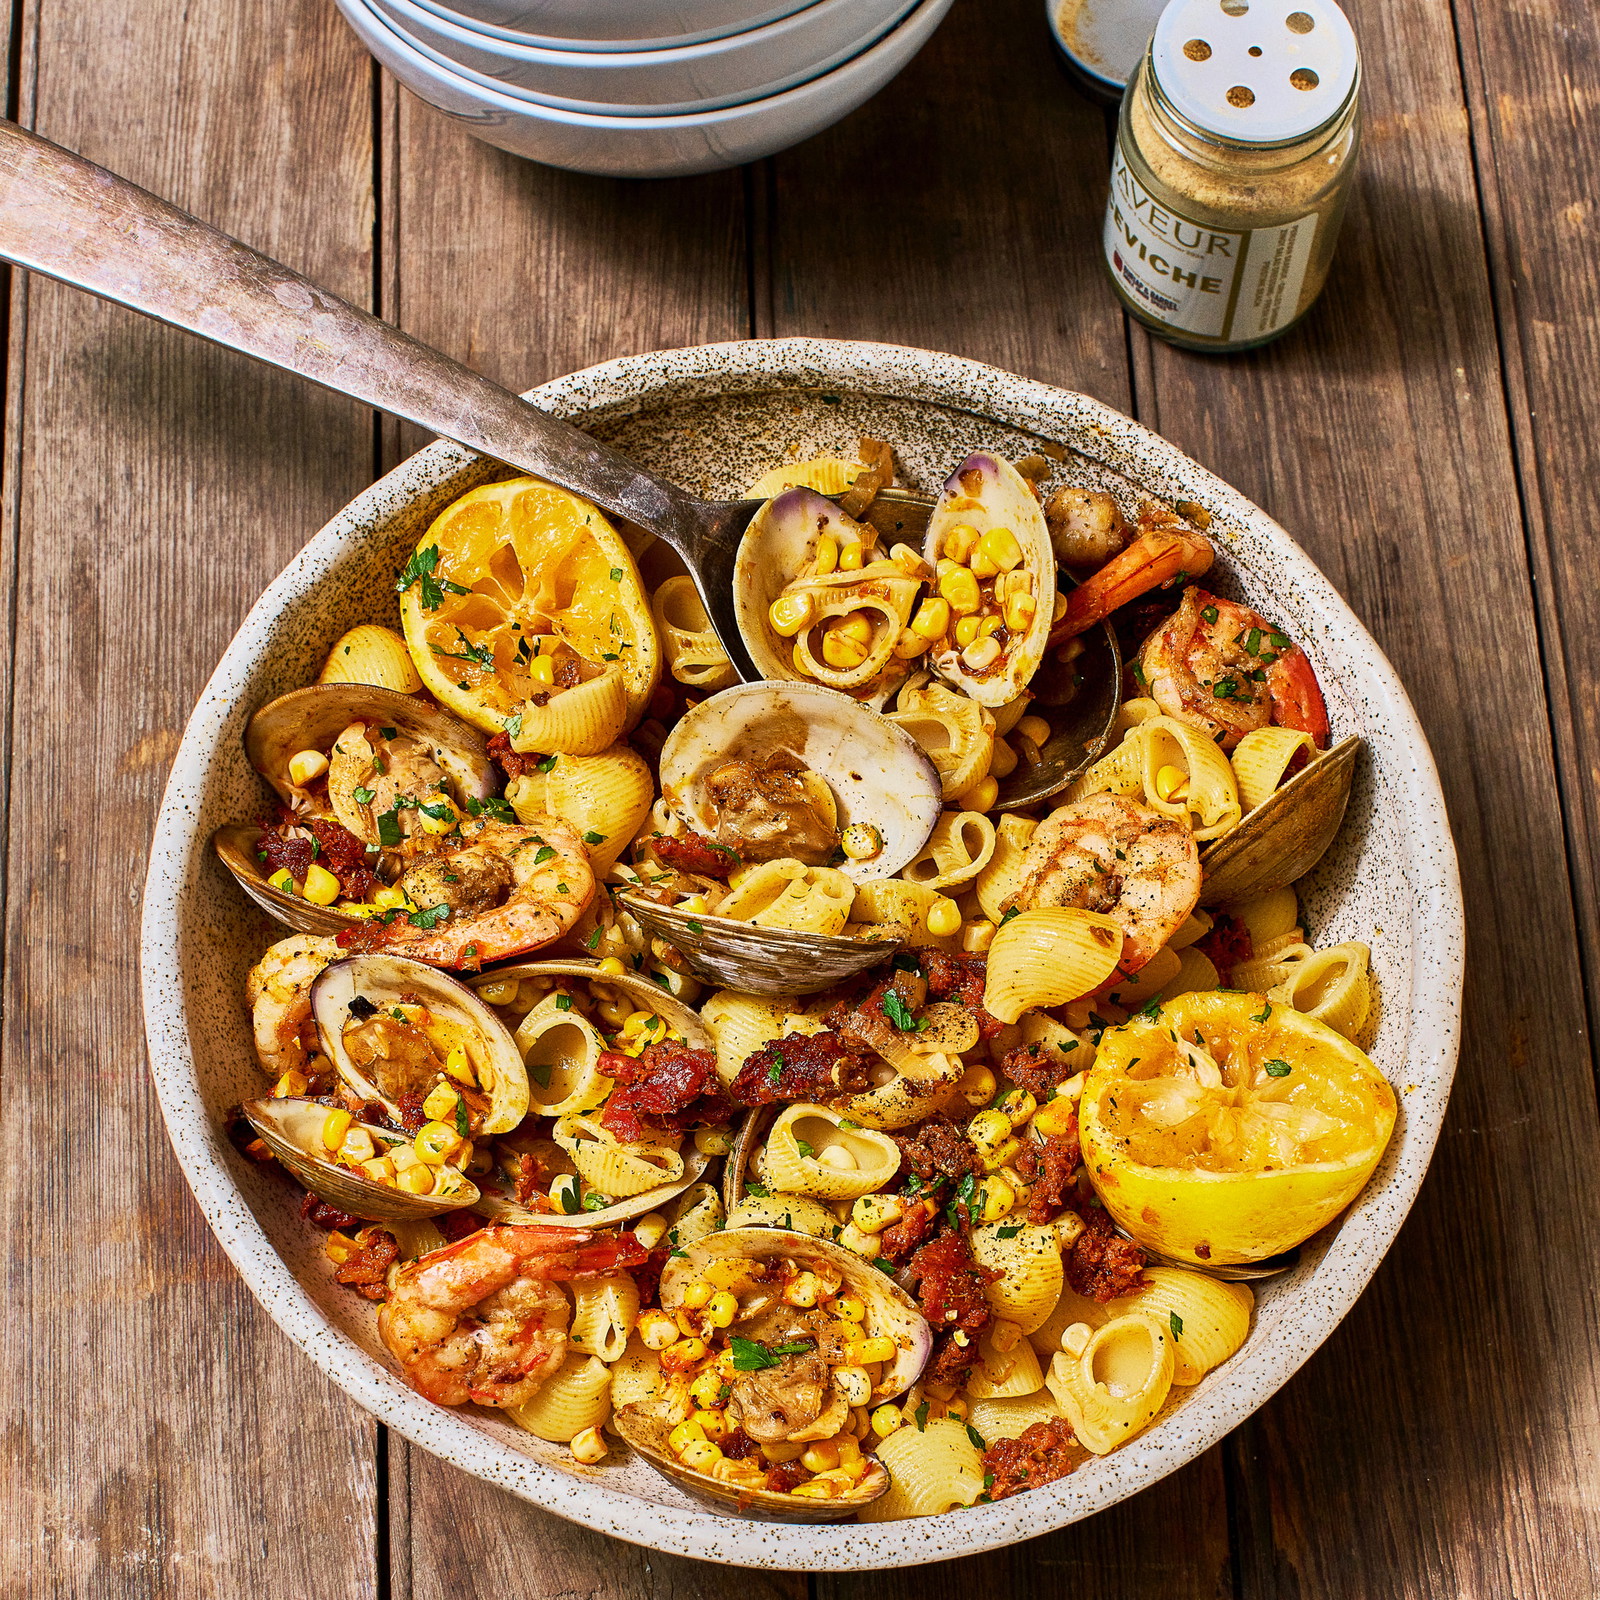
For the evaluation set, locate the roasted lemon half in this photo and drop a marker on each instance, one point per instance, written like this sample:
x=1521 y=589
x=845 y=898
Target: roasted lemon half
x=1224 y=1127
x=522 y=605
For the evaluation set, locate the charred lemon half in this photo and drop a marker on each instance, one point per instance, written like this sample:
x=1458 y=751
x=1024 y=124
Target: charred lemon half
x=1223 y=1127
x=523 y=610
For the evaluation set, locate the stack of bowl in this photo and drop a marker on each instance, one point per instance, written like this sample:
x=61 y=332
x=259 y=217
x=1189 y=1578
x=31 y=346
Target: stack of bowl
x=644 y=88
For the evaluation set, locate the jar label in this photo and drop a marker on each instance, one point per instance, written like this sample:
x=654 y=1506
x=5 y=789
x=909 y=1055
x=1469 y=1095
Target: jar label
x=1198 y=279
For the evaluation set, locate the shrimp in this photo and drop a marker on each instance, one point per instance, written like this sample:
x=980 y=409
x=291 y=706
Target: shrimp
x=484 y=1319
x=1115 y=856
x=507 y=889
x=1165 y=549
x=1220 y=666
x=279 y=992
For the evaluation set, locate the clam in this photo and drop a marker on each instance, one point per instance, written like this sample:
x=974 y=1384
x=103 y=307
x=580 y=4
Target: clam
x=352 y=991
x=873 y=771
x=990 y=525
x=312 y=720
x=648 y=996
x=891 y=1312
x=292 y=1130
x=1286 y=835
x=777 y=557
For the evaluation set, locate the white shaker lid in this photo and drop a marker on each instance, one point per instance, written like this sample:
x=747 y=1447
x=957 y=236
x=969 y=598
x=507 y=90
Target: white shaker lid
x=1259 y=71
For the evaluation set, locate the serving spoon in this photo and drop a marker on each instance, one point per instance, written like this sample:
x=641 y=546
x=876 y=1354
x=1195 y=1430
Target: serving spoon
x=66 y=218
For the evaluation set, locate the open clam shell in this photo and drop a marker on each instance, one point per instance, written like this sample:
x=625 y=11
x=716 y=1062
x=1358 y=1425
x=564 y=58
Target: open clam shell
x=877 y=772
x=348 y=988
x=1286 y=835
x=987 y=494
x=649 y=997
x=313 y=718
x=891 y=1312
x=780 y=544
x=743 y=955
x=236 y=844
x=292 y=1130
x=647 y=1432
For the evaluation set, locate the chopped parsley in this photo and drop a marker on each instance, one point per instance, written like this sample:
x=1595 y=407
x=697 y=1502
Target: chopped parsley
x=1266 y=1011
x=749 y=1355
x=1150 y=1010
x=845 y=1122
x=593 y=941
x=461 y=1117
x=1013 y=912
x=547 y=765
x=759 y=1190
x=1209 y=613
x=976 y=1438
x=896 y=1010
x=439 y=813
x=594 y=1201
x=430 y=917
x=570 y=1202
x=921 y=1416
x=495 y=808
x=480 y=655
x=389 y=733
x=364 y=797
x=1277 y=1069
x=563 y=1002
x=806 y=1150
x=884 y=1265
x=389 y=826
x=591 y=837
x=514 y=726
x=421 y=570
x=697 y=928
x=545 y=854
x=1175 y=1322
x=1010 y=1231
x=616 y=574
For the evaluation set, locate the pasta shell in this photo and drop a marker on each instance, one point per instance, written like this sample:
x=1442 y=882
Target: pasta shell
x=1267 y=916
x=931 y=1469
x=614 y=1168
x=1028 y=1258
x=606 y=797
x=1332 y=985
x=893 y=903
x=561 y=1050
x=826 y=474
x=574 y=1397
x=1117 y=1382
x=1002 y=876
x=1260 y=760
x=604 y=1311
x=1209 y=1319
x=374 y=655
x=1004 y=1374
x=956 y=733
x=580 y=721
x=807 y=1152
x=789 y=894
x=741 y=1023
x=1010 y=1419
x=791 y=1211
x=1045 y=958
x=690 y=644
x=958 y=849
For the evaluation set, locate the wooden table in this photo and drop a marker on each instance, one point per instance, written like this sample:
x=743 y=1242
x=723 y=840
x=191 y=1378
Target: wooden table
x=1426 y=435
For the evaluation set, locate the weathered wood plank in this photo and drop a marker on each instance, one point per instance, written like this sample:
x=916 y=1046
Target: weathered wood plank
x=1455 y=1409
x=962 y=208
x=161 y=1438
x=525 y=273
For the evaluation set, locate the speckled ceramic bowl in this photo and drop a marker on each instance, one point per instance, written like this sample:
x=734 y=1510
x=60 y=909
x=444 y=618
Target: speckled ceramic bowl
x=712 y=418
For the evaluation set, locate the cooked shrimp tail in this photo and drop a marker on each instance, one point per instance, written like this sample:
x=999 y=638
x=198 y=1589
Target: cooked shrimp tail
x=1297 y=696
x=1159 y=555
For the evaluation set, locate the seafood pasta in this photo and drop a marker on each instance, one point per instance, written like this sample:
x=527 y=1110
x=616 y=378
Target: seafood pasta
x=847 y=1090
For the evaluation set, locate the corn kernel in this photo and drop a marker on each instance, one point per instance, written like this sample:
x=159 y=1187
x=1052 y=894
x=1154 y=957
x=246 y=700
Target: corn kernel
x=885 y=1419
x=1019 y=610
x=697 y=1294
x=989 y=1130
x=306 y=766
x=789 y=613
x=722 y=1309
x=872 y=1213
x=992 y=623
x=960 y=591
x=878 y=1348
x=696 y=905
x=293 y=1082
x=441 y=1102
x=967 y=631
x=1001 y=547
x=650 y=1229
x=861 y=841
x=502 y=993
x=827 y=555
x=713 y=1141
x=380 y=1169
x=589 y=1447
x=415 y=1179
x=357 y=1147
x=999 y=1198
x=981 y=796
x=857 y=625
x=909 y=561
x=390 y=898
x=1055 y=1117
x=959 y=542
x=438 y=825
x=334 y=1127
x=685 y=1434
x=976 y=937
x=656 y=1329
x=801 y=1290
x=910 y=644
x=1035 y=728
x=458 y=1065
x=730 y=1470
x=685 y=1355
x=339 y=1248
x=944 y=918
x=1059 y=609
x=976 y=1086
x=1171 y=783
x=813 y=1489
x=862 y=1244
x=705 y=1389
x=981 y=654
x=282 y=881
x=932 y=620
x=851 y=555
x=1017 y=1105
x=542 y=670
x=612 y=967
x=728 y=1274
x=436 y=1142
x=841 y=652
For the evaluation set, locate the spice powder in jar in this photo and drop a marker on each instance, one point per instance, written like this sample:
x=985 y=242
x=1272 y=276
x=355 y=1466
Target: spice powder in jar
x=1234 y=155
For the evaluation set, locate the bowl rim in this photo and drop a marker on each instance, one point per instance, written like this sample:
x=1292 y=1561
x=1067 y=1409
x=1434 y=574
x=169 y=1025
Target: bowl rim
x=915 y=26
x=1368 y=1229
x=550 y=41
x=602 y=61
x=461 y=73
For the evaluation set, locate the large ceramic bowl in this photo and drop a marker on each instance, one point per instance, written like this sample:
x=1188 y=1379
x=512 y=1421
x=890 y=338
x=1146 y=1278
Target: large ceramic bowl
x=714 y=417
x=646 y=146
x=720 y=72
x=615 y=24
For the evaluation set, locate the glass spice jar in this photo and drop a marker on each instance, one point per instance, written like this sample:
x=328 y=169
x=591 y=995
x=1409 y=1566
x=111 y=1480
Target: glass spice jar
x=1235 y=149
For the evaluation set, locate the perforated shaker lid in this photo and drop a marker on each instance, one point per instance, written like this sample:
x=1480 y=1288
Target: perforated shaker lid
x=1258 y=71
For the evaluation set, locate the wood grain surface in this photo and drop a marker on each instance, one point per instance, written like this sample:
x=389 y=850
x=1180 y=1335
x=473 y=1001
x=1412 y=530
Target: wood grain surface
x=1425 y=434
